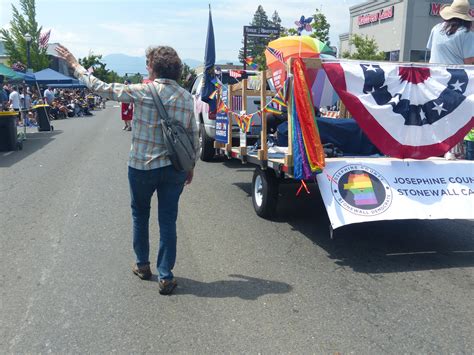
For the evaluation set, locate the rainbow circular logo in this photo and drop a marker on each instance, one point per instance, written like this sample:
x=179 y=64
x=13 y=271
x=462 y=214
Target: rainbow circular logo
x=361 y=190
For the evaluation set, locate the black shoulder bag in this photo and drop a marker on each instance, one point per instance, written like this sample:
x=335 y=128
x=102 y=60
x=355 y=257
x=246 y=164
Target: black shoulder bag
x=178 y=143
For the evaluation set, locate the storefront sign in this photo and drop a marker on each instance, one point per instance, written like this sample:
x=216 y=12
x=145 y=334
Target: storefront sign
x=376 y=17
x=435 y=8
x=255 y=31
x=372 y=189
x=222 y=125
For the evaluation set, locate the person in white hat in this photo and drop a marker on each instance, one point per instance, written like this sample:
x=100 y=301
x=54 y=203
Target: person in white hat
x=452 y=41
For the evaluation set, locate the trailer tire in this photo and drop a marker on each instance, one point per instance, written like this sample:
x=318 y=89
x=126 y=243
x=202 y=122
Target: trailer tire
x=264 y=192
x=207 y=151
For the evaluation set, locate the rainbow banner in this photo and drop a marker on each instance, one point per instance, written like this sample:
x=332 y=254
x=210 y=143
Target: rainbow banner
x=364 y=189
x=308 y=150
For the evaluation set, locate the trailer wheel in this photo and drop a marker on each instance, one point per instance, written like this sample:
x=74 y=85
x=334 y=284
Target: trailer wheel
x=206 y=143
x=264 y=192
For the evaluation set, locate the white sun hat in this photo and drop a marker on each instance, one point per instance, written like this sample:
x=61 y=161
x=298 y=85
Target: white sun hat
x=458 y=9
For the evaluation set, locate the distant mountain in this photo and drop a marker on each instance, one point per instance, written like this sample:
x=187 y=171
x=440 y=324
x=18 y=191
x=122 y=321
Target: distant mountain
x=122 y=63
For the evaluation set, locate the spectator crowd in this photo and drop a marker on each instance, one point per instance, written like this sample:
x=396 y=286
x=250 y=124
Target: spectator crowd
x=64 y=103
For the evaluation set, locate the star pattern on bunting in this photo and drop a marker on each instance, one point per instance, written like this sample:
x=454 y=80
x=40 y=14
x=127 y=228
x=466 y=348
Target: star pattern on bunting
x=439 y=107
x=420 y=114
x=370 y=67
x=458 y=85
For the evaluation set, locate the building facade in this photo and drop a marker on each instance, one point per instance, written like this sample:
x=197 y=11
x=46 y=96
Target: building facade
x=400 y=28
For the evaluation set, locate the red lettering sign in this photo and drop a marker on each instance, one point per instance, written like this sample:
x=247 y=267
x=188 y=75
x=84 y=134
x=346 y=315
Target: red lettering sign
x=376 y=16
x=386 y=13
x=435 y=8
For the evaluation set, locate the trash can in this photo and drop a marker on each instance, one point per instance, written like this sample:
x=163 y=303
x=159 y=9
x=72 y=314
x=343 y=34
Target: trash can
x=8 y=133
x=42 y=117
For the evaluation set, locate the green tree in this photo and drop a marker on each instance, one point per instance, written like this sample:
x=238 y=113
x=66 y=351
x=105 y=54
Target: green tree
x=366 y=48
x=320 y=27
x=289 y=32
x=23 y=23
x=100 y=70
x=276 y=21
x=256 y=45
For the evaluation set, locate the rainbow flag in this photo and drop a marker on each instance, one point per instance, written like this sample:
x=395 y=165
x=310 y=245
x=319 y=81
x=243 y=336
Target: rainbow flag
x=213 y=95
x=251 y=63
x=222 y=107
x=216 y=83
x=270 y=109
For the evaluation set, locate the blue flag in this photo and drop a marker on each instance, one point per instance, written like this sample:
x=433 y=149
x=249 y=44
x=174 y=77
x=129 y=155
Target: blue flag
x=209 y=61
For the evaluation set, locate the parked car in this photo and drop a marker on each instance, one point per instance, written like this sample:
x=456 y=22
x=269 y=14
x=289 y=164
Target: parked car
x=206 y=120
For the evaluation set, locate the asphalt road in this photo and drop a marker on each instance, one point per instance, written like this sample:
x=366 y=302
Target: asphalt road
x=246 y=285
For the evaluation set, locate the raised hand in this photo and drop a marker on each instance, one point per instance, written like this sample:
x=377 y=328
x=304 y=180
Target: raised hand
x=64 y=53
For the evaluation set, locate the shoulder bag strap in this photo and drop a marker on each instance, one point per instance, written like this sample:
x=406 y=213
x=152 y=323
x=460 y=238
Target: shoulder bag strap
x=158 y=103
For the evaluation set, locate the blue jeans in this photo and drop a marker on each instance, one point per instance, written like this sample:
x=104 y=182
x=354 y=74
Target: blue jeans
x=168 y=183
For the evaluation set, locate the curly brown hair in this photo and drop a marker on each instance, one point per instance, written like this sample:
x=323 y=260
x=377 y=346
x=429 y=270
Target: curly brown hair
x=165 y=62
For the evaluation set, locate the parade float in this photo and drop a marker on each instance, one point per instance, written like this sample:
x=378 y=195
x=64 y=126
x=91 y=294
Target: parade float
x=411 y=113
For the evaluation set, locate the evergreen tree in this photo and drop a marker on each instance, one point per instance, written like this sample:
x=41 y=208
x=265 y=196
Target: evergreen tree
x=256 y=45
x=15 y=43
x=276 y=20
x=366 y=48
x=320 y=27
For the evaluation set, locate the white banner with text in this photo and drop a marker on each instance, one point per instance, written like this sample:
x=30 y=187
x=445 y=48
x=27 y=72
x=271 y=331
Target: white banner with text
x=357 y=190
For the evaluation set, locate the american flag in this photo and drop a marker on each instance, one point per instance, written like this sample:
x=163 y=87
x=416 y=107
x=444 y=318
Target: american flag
x=44 y=39
x=235 y=73
x=276 y=53
x=407 y=110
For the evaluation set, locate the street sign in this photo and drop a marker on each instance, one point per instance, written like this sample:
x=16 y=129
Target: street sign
x=255 y=31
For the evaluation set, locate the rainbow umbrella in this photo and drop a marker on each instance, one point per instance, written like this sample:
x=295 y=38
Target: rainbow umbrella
x=293 y=47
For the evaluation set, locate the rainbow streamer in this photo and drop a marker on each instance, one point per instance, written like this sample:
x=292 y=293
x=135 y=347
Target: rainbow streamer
x=308 y=151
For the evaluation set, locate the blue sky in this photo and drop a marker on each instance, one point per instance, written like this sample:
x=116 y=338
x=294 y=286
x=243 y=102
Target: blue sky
x=130 y=26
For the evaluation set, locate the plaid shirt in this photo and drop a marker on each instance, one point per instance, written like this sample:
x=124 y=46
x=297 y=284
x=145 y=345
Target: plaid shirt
x=148 y=150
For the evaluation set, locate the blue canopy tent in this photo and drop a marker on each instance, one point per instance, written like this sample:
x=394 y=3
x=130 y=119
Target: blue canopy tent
x=76 y=84
x=50 y=77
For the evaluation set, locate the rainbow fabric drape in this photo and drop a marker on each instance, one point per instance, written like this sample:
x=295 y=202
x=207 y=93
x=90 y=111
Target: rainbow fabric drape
x=308 y=152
